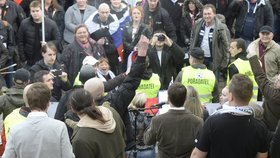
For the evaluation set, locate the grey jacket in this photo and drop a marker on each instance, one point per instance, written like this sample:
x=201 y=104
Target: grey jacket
x=220 y=43
x=39 y=137
x=73 y=18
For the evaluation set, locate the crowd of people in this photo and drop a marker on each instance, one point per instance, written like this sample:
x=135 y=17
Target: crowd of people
x=106 y=63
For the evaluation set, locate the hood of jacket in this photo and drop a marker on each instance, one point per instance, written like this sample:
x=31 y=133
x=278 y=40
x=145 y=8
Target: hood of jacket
x=147 y=74
x=185 y=8
x=107 y=127
x=15 y=96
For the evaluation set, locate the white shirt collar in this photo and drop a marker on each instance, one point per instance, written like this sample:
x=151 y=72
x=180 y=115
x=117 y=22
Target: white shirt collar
x=177 y=108
x=36 y=114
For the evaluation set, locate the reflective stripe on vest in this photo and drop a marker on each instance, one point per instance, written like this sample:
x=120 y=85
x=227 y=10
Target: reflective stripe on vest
x=244 y=67
x=203 y=80
x=150 y=87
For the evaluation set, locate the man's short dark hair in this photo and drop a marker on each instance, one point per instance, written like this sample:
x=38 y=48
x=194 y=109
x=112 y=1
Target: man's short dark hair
x=241 y=87
x=38 y=76
x=240 y=43
x=38 y=96
x=207 y=6
x=177 y=93
x=35 y=4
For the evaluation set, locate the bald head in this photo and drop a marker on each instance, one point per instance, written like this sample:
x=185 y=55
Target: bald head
x=96 y=87
x=104 y=12
x=24 y=94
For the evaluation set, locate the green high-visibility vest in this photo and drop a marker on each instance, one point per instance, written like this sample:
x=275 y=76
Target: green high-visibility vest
x=203 y=80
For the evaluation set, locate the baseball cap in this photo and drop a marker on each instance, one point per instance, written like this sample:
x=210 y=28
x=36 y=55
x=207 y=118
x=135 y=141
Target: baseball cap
x=21 y=76
x=197 y=53
x=266 y=29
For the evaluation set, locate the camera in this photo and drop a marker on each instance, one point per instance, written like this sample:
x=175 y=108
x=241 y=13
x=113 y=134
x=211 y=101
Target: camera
x=56 y=72
x=161 y=37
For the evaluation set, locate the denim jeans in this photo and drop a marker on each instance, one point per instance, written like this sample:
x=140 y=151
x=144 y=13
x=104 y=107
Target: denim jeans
x=142 y=154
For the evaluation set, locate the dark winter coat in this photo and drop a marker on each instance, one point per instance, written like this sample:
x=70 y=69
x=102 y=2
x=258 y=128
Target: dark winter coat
x=27 y=40
x=121 y=98
x=73 y=56
x=13 y=99
x=14 y=14
x=58 y=84
x=237 y=12
x=186 y=21
x=171 y=58
x=160 y=21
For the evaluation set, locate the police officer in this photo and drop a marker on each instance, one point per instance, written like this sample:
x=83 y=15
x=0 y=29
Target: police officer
x=241 y=64
x=198 y=76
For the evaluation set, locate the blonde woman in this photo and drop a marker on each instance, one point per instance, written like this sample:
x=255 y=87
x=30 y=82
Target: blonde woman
x=193 y=103
x=142 y=122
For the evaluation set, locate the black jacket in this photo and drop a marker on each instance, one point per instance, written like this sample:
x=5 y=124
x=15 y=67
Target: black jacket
x=128 y=42
x=58 y=18
x=238 y=11
x=73 y=56
x=186 y=21
x=275 y=143
x=174 y=10
x=63 y=106
x=27 y=39
x=160 y=21
x=58 y=85
x=171 y=58
x=4 y=55
x=14 y=14
x=121 y=98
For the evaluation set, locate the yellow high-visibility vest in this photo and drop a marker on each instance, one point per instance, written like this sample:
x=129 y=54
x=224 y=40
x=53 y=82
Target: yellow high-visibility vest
x=203 y=80
x=150 y=87
x=244 y=67
x=12 y=119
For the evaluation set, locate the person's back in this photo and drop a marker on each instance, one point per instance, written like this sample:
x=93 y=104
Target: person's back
x=234 y=132
x=38 y=136
x=100 y=131
x=176 y=133
x=176 y=130
x=243 y=137
x=103 y=144
x=13 y=98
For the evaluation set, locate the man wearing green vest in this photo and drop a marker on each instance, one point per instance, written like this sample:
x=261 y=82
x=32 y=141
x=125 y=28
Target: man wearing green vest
x=241 y=64
x=198 y=76
x=150 y=83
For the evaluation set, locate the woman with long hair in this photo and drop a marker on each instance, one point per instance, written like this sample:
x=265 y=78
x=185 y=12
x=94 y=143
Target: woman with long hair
x=192 y=10
x=99 y=132
x=194 y=105
x=142 y=121
x=133 y=30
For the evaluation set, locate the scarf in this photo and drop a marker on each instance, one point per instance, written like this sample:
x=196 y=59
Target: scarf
x=236 y=110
